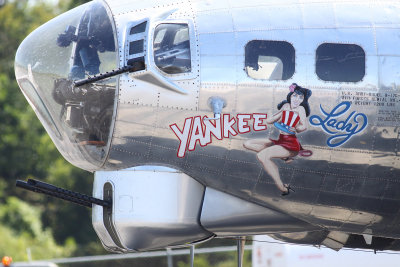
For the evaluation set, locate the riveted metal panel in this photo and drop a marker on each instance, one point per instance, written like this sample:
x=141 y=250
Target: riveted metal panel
x=216 y=69
x=371 y=78
x=315 y=37
x=305 y=69
x=98 y=221
x=385 y=14
x=264 y=18
x=224 y=90
x=361 y=37
x=154 y=208
x=131 y=114
x=128 y=6
x=328 y=184
x=138 y=92
x=208 y=24
x=226 y=215
x=265 y=102
x=388 y=41
x=318 y=15
x=352 y=14
x=294 y=37
x=389 y=73
x=237 y=4
x=221 y=44
x=175 y=100
x=209 y=5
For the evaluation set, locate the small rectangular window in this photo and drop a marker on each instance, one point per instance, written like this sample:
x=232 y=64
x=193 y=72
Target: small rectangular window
x=269 y=60
x=340 y=62
x=137 y=63
x=171 y=46
x=136 y=47
x=138 y=28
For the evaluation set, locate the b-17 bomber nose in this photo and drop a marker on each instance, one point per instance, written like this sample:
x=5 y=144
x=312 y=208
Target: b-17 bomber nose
x=73 y=46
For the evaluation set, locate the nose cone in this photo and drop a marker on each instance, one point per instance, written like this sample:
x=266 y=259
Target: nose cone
x=74 y=45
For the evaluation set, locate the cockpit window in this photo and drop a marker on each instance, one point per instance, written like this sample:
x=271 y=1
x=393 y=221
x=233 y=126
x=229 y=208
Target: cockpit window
x=172 y=48
x=73 y=46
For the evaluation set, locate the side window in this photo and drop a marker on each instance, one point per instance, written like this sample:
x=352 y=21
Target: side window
x=340 y=62
x=138 y=28
x=135 y=41
x=171 y=46
x=269 y=60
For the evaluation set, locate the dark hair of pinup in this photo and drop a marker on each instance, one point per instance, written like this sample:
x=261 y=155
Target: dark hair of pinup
x=299 y=90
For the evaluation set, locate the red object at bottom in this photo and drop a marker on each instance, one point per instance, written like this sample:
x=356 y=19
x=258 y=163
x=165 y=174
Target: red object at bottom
x=290 y=142
x=6 y=261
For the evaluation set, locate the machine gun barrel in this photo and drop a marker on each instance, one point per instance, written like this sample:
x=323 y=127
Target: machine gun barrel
x=54 y=191
x=136 y=66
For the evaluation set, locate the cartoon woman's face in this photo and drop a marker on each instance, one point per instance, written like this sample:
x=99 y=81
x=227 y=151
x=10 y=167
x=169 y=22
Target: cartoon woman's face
x=296 y=99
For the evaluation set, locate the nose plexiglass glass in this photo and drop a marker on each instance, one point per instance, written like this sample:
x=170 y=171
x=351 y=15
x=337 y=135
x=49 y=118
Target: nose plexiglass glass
x=73 y=46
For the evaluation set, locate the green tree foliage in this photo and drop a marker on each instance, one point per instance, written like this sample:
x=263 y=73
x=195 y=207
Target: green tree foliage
x=199 y=261
x=21 y=217
x=75 y=3
x=20 y=131
x=21 y=228
x=26 y=151
x=227 y=259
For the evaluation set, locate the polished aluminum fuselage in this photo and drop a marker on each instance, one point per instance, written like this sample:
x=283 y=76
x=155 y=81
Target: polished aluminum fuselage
x=352 y=188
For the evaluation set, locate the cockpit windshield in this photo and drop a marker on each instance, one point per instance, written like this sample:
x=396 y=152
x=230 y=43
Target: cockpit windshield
x=76 y=45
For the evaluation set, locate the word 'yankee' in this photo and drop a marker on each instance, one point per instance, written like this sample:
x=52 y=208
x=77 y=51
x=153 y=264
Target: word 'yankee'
x=200 y=130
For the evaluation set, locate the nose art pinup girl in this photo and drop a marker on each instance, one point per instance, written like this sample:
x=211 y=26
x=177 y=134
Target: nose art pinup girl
x=290 y=119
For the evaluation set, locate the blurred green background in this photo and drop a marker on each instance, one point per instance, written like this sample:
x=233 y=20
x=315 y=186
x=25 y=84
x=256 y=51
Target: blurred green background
x=47 y=227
